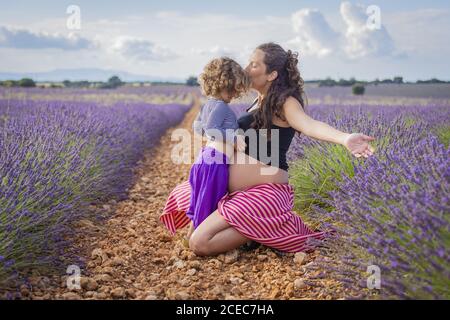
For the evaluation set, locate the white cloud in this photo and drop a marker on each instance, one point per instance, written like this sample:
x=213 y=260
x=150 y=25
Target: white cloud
x=239 y=54
x=331 y=45
x=362 y=40
x=26 y=39
x=314 y=36
x=142 y=50
x=215 y=51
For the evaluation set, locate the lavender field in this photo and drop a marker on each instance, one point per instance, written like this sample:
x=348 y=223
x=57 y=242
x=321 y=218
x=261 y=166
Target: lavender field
x=390 y=211
x=63 y=151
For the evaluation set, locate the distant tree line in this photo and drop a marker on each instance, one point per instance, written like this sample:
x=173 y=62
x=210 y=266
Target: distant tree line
x=115 y=82
x=112 y=83
x=328 y=82
x=434 y=80
x=25 y=82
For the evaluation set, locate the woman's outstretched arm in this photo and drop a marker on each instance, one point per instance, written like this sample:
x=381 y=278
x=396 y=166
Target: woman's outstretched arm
x=300 y=121
x=356 y=143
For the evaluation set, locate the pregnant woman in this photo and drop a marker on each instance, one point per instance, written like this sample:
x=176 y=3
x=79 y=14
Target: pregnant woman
x=259 y=202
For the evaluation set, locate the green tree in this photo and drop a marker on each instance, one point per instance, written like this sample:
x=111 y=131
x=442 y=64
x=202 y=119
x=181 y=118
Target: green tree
x=328 y=82
x=10 y=83
x=398 y=80
x=192 y=81
x=27 y=82
x=358 y=89
x=114 y=82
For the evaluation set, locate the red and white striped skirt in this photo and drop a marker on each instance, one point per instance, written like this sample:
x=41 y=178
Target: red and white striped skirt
x=262 y=213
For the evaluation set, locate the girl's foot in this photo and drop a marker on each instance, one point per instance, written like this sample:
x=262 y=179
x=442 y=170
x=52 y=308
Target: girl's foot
x=278 y=252
x=250 y=246
x=185 y=242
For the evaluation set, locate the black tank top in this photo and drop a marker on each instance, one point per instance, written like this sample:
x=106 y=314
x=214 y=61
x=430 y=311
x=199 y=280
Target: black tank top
x=285 y=135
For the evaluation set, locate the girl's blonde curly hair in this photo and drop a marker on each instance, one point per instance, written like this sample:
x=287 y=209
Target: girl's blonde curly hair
x=224 y=74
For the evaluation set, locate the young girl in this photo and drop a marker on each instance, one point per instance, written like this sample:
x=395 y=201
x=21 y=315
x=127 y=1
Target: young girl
x=222 y=80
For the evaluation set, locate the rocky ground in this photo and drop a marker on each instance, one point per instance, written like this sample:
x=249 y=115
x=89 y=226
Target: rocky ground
x=133 y=256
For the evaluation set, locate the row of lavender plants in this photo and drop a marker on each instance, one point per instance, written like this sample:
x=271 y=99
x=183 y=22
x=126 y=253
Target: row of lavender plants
x=56 y=159
x=390 y=211
x=157 y=94
x=168 y=90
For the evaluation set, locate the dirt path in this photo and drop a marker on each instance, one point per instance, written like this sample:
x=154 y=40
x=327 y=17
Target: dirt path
x=134 y=257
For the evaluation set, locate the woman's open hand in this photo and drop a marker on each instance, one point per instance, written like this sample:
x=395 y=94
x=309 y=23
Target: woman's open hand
x=358 y=145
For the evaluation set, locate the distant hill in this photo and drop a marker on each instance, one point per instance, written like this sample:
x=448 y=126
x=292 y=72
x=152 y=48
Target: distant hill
x=89 y=74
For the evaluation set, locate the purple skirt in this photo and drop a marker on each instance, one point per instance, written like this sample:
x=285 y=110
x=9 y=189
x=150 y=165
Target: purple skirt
x=209 y=183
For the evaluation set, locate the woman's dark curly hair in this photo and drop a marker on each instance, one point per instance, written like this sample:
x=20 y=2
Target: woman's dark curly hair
x=289 y=83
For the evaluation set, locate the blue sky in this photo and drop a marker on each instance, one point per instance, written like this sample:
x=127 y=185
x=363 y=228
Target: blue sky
x=247 y=8
x=176 y=38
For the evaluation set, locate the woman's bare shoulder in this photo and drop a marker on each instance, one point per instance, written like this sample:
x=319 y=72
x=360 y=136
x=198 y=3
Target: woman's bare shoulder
x=292 y=101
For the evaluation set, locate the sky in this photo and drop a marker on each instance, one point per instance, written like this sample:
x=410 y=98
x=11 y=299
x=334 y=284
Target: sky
x=174 y=38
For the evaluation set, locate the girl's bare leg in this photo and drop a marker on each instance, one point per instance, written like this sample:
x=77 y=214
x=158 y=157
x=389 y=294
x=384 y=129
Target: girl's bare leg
x=214 y=235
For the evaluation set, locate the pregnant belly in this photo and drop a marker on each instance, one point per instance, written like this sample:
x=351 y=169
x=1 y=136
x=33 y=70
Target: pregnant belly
x=246 y=172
